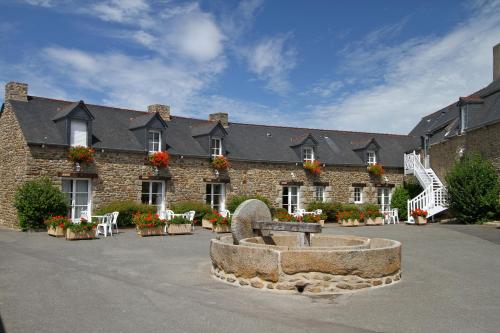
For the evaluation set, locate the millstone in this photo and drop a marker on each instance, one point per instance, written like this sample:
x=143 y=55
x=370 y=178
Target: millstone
x=249 y=211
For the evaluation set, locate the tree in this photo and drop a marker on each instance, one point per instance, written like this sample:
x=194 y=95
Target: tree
x=399 y=200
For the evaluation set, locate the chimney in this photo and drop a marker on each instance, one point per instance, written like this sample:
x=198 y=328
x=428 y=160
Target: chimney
x=163 y=110
x=496 y=62
x=219 y=116
x=16 y=91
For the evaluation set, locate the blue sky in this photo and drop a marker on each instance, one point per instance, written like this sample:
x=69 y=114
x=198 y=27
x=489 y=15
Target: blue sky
x=351 y=65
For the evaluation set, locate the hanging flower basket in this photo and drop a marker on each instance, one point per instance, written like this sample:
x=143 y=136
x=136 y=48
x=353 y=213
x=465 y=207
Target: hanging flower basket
x=376 y=169
x=159 y=159
x=313 y=167
x=220 y=163
x=80 y=154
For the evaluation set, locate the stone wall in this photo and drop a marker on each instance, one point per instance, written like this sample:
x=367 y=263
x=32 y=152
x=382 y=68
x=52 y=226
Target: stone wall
x=13 y=154
x=444 y=154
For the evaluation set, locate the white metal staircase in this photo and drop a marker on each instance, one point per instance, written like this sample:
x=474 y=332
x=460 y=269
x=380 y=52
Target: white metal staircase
x=434 y=197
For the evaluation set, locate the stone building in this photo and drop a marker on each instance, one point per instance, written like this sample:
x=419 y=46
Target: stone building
x=36 y=134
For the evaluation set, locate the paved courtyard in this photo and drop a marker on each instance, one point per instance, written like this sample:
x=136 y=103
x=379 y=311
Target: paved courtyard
x=130 y=284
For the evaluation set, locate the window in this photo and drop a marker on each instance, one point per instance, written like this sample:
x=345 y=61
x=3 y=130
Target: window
x=216 y=147
x=78 y=193
x=463 y=118
x=358 y=195
x=215 y=196
x=154 y=141
x=290 y=198
x=308 y=154
x=319 y=194
x=152 y=193
x=384 y=198
x=78 y=136
x=371 y=157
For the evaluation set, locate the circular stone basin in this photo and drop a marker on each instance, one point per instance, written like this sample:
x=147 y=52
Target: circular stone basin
x=332 y=264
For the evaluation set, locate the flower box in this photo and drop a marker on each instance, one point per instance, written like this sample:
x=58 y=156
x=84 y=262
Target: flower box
x=322 y=223
x=350 y=223
x=150 y=231
x=420 y=220
x=206 y=224
x=77 y=235
x=222 y=228
x=56 y=231
x=179 y=229
x=375 y=221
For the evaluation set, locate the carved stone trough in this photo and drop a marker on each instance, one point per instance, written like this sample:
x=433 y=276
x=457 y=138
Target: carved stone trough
x=300 y=260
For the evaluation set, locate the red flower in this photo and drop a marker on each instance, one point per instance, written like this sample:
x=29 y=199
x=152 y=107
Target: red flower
x=159 y=159
x=313 y=167
x=220 y=163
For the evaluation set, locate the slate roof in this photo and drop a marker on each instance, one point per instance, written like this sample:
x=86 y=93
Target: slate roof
x=445 y=123
x=111 y=130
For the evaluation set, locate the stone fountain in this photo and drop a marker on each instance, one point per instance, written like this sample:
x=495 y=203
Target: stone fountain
x=295 y=258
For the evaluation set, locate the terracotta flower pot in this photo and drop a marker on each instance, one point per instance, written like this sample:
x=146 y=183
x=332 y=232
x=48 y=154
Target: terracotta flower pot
x=206 y=224
x=222 y=228
x=375 y=221
x=77 y=235
x=56 y=231
x=179 y=229
x=154 y=231
x=350 y=223
x=420 y=220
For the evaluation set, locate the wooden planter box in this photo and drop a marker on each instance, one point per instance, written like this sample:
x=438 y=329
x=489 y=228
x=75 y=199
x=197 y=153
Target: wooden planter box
x=154 y=231
x=179 y=229
x=222 y=228
x=206 y=224
x=420 y=220
x=56 y=232
x=321 y=222
x=71 y=235
x=376 y=221
x=350 y=223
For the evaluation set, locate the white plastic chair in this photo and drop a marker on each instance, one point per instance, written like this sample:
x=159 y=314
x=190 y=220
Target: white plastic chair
x=114 y=220
x=225 y=213
x=318 y=212
x=84 y=214
x=105 y=226
x=395 y=215
x=190 y=216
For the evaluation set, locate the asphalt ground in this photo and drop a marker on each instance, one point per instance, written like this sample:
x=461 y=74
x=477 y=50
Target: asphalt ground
x=125 y=283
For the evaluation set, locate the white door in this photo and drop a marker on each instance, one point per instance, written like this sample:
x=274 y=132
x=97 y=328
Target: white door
x=290 y=198
x=384 y=198
x=78 y=193
x=214 y=196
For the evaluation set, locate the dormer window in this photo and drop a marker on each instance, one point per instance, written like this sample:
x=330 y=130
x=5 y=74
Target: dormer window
x=154 y=141
x=78 y=133
x=463 y=118
x=216 y=147
x=371 y=157
x=308 y=154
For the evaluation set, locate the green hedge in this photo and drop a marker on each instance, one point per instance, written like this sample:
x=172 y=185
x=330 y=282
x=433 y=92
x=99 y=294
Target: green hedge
x=126 y=209
x=330 y=209
x=37 y=200
x=399 y=200
x=235 y=201
x=199 y=207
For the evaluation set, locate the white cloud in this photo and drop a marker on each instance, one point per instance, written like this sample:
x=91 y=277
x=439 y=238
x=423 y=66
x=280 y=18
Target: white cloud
x=325 y=88
x=120 y=10
x=418 y=77
x=272 y=59
x=41 y=3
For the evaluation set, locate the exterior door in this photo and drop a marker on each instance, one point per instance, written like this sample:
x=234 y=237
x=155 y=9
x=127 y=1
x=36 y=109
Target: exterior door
x=78 y=193
x=215 y=196
x=290 y=198
x=152 y=193
x=384 y=198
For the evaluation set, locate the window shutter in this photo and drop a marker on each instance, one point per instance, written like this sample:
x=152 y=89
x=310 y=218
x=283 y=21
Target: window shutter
x=78 y=133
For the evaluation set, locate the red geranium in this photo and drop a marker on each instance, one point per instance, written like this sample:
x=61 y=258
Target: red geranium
x=419 y=212
x=80 y=154
x=220 y=163
x=159 y=159
x=376 y=169
x=313 y=167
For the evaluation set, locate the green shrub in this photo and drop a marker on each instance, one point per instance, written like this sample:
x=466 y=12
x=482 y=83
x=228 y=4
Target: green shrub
x=473 y=188
x=199 y=207
x=179 y=220
x=36 y=201
x=399 y=200
x=330 y=209
x=413 y=188
x=237 y=200
x=126 y=210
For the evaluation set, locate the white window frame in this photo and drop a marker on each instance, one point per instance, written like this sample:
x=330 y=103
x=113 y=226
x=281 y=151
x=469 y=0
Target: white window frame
x=463 y=119
x=154 y=141
x=308 y=154
x=319 y=198
x=358 y=192
x=72 y=205
x=289 y=198
x=72 y=135
x=150 y=193
x=371 y=157
x=384 y=200
x=215 y=147
x=222 y=203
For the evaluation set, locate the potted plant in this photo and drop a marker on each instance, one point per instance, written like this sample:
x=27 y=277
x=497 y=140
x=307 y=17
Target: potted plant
x=79 y=155
x=281 y=215
x=220 y=163
x=420 y=216
x=350 y=218
x=376 y=169
x=220 y=223
x=56 y=225
x=373 y=217
x=148 y=224
x=82 y=230
x=159 y=160
x=179 y=225
x=314 y=167
x=312 y=218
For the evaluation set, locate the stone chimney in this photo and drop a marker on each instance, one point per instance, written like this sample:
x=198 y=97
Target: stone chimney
x=163 y=110
x=16 y=91
x=496 y=62
x=220 y=116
